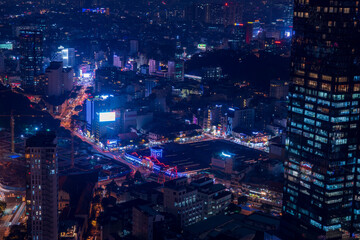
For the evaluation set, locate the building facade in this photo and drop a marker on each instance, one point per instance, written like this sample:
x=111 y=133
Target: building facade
x=42 y=187
x=214 y=196
x=240 y=119
x=54 y=79
x=182 y=201
x=59 y=80
x=279 y=89
x=321 y=188
x=211 y=73
x=68 y=57
x=223 y=162
x=31 y=61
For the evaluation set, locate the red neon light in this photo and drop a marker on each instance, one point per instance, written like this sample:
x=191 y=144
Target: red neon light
x=173 y=170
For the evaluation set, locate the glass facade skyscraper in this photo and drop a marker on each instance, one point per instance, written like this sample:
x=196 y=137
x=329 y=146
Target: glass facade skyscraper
x=321 y=190
x=31 y=61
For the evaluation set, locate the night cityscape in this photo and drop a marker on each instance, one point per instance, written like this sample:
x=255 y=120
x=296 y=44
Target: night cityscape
x=179 y=119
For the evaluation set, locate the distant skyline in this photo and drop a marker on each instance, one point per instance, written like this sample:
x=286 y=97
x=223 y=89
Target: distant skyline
x=174 y=119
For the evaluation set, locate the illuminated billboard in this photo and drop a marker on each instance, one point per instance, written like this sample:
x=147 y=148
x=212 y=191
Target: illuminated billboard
x=86 y=75
x=107 y=117
x=7 y=46
x=201 y=46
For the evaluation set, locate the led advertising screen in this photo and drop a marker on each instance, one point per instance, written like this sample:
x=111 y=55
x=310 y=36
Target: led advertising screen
x=86 y=75
x=202 y=46
x=107 y=117
x=8 y=46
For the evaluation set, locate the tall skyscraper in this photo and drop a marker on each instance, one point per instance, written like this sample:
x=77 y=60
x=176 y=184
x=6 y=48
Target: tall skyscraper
x=31 y=61
x=68 y=57
x=42 y=186
x=321 y=191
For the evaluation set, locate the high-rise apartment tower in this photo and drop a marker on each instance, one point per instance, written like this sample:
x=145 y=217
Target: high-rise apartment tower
x=42 y=187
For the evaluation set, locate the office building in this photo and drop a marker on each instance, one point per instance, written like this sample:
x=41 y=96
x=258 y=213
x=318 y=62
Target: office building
x=242 y=35
x=181 y=200
x=214 y=119
x=223 y=162
x=107 y=79
x=214 y=196
x=179 y=70
x=232 y=13
x=171 y=69
x=42 y=186
x=149 y=85
x=215 y=13
x=59 y=80
x=279 y=89
x=54 y=78
x=321 y=189
x=240 y=119
x=211 y=73
x=176 y=70
x=118 y=61
x=103 y=117
x=68 y=57
x=31 y=61
x=68 y=79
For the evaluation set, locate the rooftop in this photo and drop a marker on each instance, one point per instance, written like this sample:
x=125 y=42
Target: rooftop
x=222 y=194
x=195 y=156
x=55 y=66
x=42 y=139
x=236 y=225
x=147 y=210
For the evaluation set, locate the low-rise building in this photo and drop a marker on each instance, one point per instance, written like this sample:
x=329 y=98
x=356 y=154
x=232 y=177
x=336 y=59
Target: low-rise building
x=182 y=201
x=214 y=196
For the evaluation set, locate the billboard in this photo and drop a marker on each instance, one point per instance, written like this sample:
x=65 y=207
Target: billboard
x=8 y=46
x=86 y=75
x=107 y=117
x=111 y=143
x=201 y=46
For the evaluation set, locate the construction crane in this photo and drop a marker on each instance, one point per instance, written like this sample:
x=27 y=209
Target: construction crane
x=12 y=125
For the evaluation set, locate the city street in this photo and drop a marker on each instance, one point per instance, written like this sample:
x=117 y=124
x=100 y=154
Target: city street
x=66 y=118
x=15 y=210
